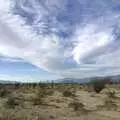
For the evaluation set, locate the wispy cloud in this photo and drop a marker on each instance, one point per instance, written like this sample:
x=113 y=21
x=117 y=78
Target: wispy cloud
x=73 y=38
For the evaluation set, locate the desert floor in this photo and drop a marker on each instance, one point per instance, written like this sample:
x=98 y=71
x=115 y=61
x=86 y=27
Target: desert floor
x=59 y=102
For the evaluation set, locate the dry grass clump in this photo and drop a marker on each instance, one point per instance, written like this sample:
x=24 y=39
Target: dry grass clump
x=88 y=88
x=41 y=93
x=8 y=117
x=76 y=105
x=111 y=93
x=3 y=92
x=12 y=116
x=109 y=105
x=68 y=93
x=37 y=101
x=11 y=102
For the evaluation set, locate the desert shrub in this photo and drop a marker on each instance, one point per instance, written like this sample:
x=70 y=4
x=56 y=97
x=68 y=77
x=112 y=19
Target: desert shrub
x=76 y=105
x=17 y=85
x=10 y=115
x=11 y=102
x=88 y=88
x=111 y=93
x=37 y=101
x=99 y=85
x=3 y=92
x=110 y=105
x=42 y=85
x=7 y=117
x=52 y=117
x=67 y=93
x=41 y=93
x=31 y=85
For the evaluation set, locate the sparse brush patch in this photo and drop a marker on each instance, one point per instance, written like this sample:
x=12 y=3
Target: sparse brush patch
x=11 y=102
x=68 y=93
x=52 y=117
x=37 y=101
x=42 y=85
x=41 y=93
x=109 y=105
x=3 y=92
x=99 y=85
x=88 y=88
x=17 y=85
x=111 y=93
x=49 y=92
x=12 y=116
x=33 y=85
x=76 y=105
x=7 y=117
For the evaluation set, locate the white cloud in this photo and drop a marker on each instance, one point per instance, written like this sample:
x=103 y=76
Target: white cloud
x=11 y=60
x=91 y=42
x=90 y=47
x=22 y=42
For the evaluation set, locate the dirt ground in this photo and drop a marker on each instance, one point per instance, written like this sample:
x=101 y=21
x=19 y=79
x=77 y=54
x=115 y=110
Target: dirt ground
x=59 y=102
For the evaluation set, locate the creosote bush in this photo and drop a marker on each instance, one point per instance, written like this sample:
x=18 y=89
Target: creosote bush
x=9 y=115
x=11 y=102
x=67 y=93
x=76 y=105
x=109 y=105
x=3 y=92
x=99 y=85
x=41 y=93
x=37 y=101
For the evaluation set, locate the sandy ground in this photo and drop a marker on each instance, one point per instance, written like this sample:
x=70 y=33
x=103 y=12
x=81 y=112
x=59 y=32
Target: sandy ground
x=82 y=105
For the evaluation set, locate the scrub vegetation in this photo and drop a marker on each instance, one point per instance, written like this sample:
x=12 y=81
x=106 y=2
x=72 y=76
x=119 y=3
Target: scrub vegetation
x=96 y=100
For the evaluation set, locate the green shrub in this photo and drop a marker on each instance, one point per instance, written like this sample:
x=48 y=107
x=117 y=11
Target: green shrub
x=99 y=85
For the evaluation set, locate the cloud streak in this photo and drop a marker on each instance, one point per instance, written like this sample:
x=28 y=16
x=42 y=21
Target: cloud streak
x=73 y=38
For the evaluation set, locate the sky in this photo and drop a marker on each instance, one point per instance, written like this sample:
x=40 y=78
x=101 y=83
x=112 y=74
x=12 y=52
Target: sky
x=50 y=39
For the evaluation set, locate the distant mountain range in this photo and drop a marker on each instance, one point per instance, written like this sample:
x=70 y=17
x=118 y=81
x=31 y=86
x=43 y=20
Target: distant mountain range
x=69 y=80
x=8 y=82
x=85 y=80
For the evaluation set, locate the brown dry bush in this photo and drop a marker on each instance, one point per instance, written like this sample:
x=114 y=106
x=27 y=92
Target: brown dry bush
x=68 y=93
x=11 y=116
x=41 y=93
x=3 y=92
x=78 y=107
x=111 y=93
x=11 y=103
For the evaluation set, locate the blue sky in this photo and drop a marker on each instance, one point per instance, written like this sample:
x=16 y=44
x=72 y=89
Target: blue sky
x=17 y=70
x=52 y=39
